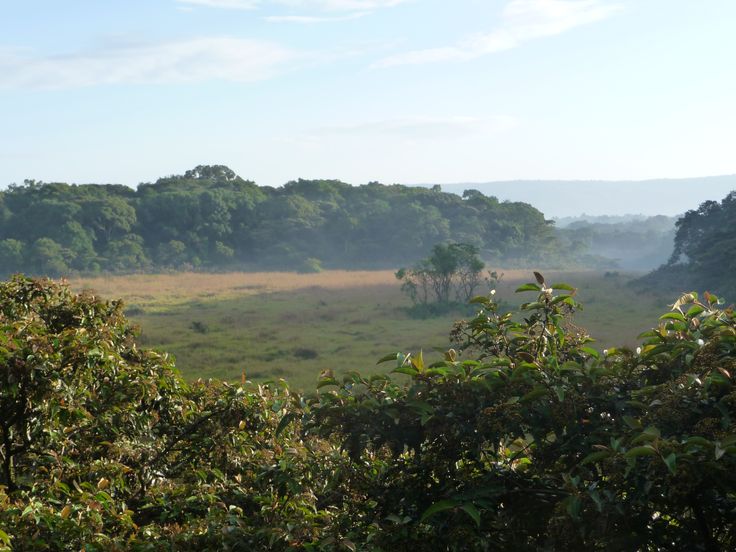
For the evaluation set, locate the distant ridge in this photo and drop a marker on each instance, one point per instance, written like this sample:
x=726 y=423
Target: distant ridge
x=569 y=198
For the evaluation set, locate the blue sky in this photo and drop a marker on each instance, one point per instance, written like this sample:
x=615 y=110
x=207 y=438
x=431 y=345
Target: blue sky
x=390 y=90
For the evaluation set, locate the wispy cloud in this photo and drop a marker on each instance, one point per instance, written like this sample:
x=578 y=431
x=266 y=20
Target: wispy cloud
x=521 y=21
x=423 y=128
x=186 y=61
x=310 y=19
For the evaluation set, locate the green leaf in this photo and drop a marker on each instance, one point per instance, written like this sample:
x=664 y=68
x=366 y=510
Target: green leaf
x=418 y=361
x=699 y=441
x=560 y=392
x=327 y=381
x=420 y=406
x=563 y=287
x=440 y=506
x=720 y=451
x=635 y=452
x=408 y=370
x=649 y=434
x=4 y=537
x=563 y=299
x=528 y=287
x=392 y=356
x=632 y=422
x=590 y=351
x=534 y=394
x=286 y=419
x=671 y=462
x=596 y=497
x=673 y=316
x=595 y=457
x=573 y=505
x=439 y=371
x=472 y=511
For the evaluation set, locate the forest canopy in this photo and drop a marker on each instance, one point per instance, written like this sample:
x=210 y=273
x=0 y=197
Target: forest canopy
x=210 y=218
x=704 y=255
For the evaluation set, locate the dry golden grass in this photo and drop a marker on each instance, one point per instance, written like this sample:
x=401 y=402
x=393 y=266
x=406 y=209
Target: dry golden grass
x=143 y=289
x=167 y=289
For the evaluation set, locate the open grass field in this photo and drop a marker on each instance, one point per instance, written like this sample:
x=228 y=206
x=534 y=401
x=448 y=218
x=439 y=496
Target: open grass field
x=292 y=326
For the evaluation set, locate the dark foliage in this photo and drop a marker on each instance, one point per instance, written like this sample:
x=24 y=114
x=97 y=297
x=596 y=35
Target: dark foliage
x=704 y=255
x=522 y=437
x=211 y=218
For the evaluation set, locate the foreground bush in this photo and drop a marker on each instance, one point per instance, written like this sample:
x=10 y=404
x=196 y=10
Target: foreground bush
x=105 y=447
x=522 y=438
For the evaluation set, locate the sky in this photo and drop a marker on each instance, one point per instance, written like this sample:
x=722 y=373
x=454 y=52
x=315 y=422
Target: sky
x=396 y=91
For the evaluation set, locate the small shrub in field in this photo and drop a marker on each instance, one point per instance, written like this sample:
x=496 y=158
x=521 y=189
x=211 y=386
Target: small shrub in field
x=200 y=327
x=310 y=266
x=305 y=353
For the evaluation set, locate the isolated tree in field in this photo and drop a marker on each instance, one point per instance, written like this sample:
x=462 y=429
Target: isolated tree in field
x=451 y=272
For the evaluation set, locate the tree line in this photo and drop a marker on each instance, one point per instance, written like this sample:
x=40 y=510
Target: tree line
x=704 y=255
x=210 y=218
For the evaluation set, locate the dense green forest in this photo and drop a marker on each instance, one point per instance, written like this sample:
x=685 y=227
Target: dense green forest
x=704 y=253
x=211 y=218
x=522 y=437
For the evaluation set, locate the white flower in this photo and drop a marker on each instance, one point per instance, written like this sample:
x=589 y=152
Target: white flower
x=701 y=342
x=605 y=352
x=638 y=351
x=493 y=292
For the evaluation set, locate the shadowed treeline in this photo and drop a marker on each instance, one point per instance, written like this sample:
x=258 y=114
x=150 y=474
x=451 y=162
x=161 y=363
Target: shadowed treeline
x=210 y=218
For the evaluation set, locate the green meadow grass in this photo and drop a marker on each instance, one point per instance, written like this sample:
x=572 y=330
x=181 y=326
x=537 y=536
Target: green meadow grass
x=292 y=335
x=297 y=333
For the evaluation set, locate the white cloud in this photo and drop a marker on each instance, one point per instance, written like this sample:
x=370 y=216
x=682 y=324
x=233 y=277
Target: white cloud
x=522 y=20
x=186 y=61
x=310 y=19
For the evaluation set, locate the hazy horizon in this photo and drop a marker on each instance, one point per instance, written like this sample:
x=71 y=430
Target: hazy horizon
x=556 y=198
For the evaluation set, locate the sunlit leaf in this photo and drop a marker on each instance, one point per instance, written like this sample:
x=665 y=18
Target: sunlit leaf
x=528 y=287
